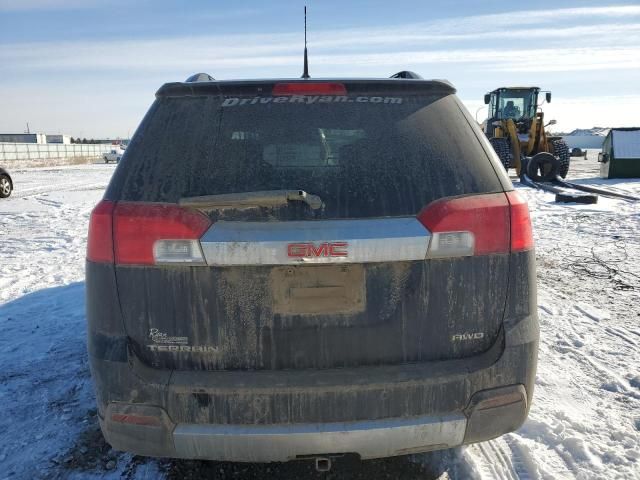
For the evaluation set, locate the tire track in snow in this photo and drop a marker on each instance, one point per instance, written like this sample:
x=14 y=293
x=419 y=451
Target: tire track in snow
x=581 y=424
x=621 y=335
x=58 y=188
x=493 y=459
x=604 y=372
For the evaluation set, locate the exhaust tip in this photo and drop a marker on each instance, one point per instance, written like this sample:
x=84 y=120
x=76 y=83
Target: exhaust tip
x=323 y=464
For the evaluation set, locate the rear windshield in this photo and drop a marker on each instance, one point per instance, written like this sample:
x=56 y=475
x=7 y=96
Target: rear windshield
x=364 y=156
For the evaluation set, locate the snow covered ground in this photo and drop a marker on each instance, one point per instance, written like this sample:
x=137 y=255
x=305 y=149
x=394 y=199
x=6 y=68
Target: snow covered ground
x=585 y=417
x=584 y=422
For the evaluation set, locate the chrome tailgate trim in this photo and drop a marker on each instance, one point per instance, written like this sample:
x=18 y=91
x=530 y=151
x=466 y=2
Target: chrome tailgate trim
x=356 y=241
x=269 y=443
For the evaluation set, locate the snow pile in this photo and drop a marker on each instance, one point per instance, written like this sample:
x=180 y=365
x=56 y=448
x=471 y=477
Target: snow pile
x=599 y=131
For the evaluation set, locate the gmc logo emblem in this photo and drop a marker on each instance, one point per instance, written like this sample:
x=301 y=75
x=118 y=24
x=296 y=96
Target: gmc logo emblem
x=326 y=249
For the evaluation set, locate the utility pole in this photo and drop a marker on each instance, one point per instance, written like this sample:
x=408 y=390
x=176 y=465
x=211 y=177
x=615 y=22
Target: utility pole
x=28 y=128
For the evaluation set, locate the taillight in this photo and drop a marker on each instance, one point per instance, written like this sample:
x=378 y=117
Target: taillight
x=100 y=240
x=464 y=226
x=147 y=234
x=309 y=88
x=521 y=232
x=477 y=225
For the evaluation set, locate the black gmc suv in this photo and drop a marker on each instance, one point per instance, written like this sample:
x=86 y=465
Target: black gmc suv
x=305 y=268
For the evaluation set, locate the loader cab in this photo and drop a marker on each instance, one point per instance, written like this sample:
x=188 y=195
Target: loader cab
x=518 y=104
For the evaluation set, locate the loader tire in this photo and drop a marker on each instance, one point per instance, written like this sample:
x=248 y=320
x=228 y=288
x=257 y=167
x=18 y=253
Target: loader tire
x=543 y=167
x=561 y=152
x=503 y=150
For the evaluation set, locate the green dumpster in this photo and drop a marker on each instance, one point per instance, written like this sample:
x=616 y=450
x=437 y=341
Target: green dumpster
x=620 y=156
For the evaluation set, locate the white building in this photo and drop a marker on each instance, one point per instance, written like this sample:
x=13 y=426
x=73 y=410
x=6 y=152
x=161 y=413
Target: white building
x=586 y=138
x=66 y=139
x=23 y=138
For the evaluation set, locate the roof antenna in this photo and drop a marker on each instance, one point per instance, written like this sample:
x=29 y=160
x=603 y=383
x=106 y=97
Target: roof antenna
x=305 y=73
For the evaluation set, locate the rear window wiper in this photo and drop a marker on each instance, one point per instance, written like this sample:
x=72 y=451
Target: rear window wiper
x=264 y=198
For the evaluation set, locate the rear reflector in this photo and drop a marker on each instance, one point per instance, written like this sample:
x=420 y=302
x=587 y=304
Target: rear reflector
x=133 y=419
x=500 y=401
x=148 y=234
x=463 y=226
x=100 y=240
x=521 y=232
x=309 y=88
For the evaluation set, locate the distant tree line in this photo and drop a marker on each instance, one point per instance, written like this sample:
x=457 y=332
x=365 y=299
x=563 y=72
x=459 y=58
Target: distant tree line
x=90 y=141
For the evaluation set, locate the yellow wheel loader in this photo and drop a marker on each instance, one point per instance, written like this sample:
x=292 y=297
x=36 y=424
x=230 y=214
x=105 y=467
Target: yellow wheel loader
x=515 y=127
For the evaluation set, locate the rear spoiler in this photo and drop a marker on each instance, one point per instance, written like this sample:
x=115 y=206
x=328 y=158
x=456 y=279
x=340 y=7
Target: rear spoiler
x=398 y=86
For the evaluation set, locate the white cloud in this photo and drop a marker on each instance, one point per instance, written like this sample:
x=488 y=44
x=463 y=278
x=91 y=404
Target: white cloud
x=407 y=35
x=190 y=54
x=538 y=41
x=560 y=22
x=534 y=17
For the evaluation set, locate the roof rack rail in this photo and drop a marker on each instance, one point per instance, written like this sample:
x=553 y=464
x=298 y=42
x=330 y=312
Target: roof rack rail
x=406 y=74
x=200 y=77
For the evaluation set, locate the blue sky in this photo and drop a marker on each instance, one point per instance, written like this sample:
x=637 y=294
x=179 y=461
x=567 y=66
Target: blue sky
x=90 y=67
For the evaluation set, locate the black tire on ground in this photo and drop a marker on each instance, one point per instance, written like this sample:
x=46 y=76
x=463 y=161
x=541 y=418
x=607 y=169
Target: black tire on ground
x=503 y=150
x=6 y=187
x=561 y=152
x=568 y=198
x=543 y=167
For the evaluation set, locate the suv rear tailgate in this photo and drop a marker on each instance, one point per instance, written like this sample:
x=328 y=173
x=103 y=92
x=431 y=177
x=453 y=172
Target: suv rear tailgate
x=275 y=291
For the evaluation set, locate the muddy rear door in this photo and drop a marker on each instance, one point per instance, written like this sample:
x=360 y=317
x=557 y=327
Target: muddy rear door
x=283 y=229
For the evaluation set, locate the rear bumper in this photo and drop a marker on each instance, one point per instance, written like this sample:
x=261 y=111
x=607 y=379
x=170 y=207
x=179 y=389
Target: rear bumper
x=277 y=416
x=147 y=430
x=373 y=439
